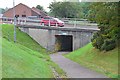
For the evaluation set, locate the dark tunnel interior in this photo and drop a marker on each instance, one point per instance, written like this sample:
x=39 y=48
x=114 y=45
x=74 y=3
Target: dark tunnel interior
x=65 y=42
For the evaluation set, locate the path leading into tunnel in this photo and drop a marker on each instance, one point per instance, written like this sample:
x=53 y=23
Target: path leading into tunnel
x=73 y=69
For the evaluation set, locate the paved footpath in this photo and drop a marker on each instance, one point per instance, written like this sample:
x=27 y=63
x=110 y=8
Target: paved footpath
x=73 y=69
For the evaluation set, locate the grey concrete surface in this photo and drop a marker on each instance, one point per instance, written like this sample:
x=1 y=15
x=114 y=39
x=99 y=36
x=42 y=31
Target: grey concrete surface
x=73 y=69
x=81 y=26
x=47 y=39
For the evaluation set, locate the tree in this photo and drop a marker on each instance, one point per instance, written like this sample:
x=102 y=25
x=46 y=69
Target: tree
x=39 y=7
x=84 y=8
x=106 y=15
x=2 y=10
x=65 y=9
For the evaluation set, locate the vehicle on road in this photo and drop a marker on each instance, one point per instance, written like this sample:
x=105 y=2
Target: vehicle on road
x=51 y=21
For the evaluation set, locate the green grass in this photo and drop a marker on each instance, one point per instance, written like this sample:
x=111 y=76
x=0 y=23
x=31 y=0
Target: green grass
x=25 y=58
x=0 y=59
x=22 y=38
x=0 y=53
x=100 y=61
x=18 y=61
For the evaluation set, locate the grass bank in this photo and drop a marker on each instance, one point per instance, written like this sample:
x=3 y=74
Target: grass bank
x=100 y=61
x=21 y=38
x=25 y=58
x=18 y=61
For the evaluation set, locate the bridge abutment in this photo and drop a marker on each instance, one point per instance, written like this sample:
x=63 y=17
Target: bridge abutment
x=48 y=39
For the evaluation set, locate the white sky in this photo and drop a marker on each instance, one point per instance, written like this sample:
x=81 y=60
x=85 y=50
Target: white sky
x=29 y=3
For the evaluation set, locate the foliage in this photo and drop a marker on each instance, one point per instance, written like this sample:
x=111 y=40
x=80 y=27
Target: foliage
x=69 y=9
x=65 y=9
x=108 y=44
x=85 y=9
x=2 y=10
x=106 y=15
x=39 y=7
x=105 y=62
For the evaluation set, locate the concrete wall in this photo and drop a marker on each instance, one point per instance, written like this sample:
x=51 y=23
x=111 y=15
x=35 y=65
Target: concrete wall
x=41 y=36
x=46 y=38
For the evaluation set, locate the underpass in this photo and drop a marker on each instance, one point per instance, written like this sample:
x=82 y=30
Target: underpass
x=70 y=37
x=64 y=42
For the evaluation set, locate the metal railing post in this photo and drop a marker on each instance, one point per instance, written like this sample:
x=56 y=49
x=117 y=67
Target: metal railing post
x=49 y=22
x=18 y=20
x=75 y=23
x=25 y=20
x=56 y=24
x=14 y=21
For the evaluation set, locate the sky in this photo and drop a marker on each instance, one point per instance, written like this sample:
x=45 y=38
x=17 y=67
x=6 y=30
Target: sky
x=34 y=3
x=29 y=3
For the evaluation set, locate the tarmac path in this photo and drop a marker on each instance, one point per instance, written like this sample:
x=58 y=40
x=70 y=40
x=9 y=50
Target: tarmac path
x=73 y=69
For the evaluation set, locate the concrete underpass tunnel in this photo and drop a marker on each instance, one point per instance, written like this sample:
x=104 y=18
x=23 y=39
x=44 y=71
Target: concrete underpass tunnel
x=64 y=43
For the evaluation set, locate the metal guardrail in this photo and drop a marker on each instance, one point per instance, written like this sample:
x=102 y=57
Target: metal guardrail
x=71 y=21
x=77 y=21
x=39 y=19
x=21 y=19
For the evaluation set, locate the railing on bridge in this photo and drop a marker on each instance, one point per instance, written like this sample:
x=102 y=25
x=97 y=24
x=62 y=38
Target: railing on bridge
x=74 y=22
x=77 y=21
x=24 y=21
x=20 y=20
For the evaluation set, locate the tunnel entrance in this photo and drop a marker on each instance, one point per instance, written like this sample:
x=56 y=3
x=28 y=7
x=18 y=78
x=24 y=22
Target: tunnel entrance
x=64 y=42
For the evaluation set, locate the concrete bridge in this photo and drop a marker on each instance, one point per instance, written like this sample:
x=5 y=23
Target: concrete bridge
x=67 y=38
x=59 y=38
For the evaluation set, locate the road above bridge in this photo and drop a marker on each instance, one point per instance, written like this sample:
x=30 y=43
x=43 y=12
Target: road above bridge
x=67 y=27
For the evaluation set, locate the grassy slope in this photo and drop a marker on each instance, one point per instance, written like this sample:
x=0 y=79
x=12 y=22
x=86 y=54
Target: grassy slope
x=104 y=62
x=18 y=61
x=0 y=56
x=29 y=47
x=22 y=38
